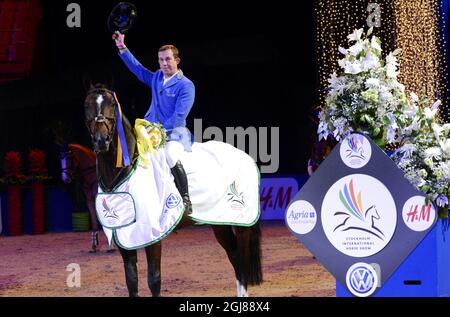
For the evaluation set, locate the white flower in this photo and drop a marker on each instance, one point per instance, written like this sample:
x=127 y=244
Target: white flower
x=356 y=48
x=372 y=82
x=407 y=149
x=356 y=35
x=436 y=105
x=445 y=146
x=433 y=152
x=370 y=61
x=375 y=44
x=414 y=97
x=342 y=50
x=391 y=71
x=429 y=113
x=390 y=135
x=352 y=68
x=437 y=129
x=442 y=200
x=411 y=111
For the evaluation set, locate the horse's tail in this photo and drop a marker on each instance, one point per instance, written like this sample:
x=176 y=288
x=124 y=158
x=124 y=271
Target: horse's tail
x=250 y=254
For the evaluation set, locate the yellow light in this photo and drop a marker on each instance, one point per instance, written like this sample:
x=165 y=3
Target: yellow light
x=412 y=25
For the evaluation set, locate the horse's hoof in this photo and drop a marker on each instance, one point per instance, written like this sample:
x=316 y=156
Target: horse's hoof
x=111 y=250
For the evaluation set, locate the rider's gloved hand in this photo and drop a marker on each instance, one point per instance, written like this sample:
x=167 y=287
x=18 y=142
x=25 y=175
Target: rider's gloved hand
x=120 y=40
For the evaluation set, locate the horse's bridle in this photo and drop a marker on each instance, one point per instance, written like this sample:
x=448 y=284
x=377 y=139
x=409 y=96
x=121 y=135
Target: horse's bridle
x=70 y=171
x=100 y=118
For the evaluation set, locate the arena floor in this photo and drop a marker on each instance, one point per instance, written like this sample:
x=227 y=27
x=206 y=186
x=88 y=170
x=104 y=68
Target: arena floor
x=193 y=265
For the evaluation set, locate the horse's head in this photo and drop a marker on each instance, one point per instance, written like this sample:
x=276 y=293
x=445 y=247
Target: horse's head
x=100 y=110
x=372 y=213
x=67 y=164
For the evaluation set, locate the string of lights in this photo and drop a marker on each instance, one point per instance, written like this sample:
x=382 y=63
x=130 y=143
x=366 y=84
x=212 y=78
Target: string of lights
x=412 y=25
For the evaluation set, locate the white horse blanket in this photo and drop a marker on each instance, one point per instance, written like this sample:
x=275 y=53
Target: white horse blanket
x=146 y=206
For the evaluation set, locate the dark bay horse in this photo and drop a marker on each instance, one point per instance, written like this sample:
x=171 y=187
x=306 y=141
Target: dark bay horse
x=78 y=161
x=241 y=243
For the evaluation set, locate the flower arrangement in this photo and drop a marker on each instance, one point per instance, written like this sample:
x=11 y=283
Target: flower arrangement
x=157 y=135
x=425 y=152
x=13 y=169
x=366 y=97
x=36 y=168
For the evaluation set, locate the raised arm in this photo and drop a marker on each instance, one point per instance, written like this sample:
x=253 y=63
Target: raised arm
x=142 y=73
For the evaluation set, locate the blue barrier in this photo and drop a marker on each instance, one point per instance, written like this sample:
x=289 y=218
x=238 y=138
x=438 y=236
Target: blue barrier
x=60 y=206
x=58 y=217
x=424 y=273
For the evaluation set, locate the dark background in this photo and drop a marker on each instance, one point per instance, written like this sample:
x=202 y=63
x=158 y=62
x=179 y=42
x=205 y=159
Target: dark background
x=252 y=62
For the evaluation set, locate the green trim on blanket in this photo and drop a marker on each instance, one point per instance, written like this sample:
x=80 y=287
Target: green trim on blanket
x=131 y=172
x=123 y=226
x=116 y=239
x=233 y=223
x=128 y=176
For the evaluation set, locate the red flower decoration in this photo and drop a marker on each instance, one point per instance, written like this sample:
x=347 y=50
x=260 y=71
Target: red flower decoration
x=36 y=161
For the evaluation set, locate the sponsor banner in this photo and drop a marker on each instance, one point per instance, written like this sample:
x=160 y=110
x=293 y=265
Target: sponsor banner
x=359 y=215
x=275 y=196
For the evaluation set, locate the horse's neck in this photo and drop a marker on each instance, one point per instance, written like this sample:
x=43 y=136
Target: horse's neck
x=86 y=166
x=107 y=173
x=85 y=156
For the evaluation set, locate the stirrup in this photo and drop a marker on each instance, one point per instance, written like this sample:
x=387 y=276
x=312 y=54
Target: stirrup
x=187 y=205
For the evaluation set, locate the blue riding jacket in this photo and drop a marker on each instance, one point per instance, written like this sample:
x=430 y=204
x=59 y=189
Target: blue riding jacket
x=172 y=102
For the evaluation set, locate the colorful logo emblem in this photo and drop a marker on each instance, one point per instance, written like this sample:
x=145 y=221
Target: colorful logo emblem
x=236 y=198
x=301 y=217
x=355 y=151
x=172 y=201
x=362 y=279
x=359 y=215
x=108 y=210
x=417 y=215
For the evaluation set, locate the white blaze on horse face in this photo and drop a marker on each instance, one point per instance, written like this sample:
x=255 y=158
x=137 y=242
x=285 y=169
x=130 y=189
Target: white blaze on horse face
x=99 y=104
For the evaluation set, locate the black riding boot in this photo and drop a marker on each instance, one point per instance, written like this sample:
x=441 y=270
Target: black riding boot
x=182 y=184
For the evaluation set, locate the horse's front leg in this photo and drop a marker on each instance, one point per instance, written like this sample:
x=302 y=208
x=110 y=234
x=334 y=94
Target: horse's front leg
x=131 y=274
x=153 y=253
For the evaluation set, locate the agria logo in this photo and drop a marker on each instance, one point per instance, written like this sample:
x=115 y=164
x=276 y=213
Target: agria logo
x=358 y=215
x=361 y=279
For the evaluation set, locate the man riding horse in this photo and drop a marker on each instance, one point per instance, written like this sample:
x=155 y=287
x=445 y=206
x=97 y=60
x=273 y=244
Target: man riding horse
x=172 y=99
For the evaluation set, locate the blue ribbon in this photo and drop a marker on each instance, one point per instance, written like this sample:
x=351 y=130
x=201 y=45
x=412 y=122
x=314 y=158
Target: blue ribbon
x=122 y=139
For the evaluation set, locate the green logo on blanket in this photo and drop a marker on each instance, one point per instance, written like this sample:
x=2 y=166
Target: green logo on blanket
x=235 y=197
x=172 y=201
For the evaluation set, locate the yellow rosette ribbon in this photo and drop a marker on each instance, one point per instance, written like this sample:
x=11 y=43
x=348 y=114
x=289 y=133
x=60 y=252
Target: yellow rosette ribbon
x=149 y=137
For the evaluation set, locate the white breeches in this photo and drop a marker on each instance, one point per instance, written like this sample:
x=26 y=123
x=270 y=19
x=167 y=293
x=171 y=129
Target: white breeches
x=174 y=150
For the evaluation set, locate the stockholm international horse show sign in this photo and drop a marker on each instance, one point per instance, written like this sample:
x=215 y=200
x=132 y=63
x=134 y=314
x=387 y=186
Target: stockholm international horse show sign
x=359 y=216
